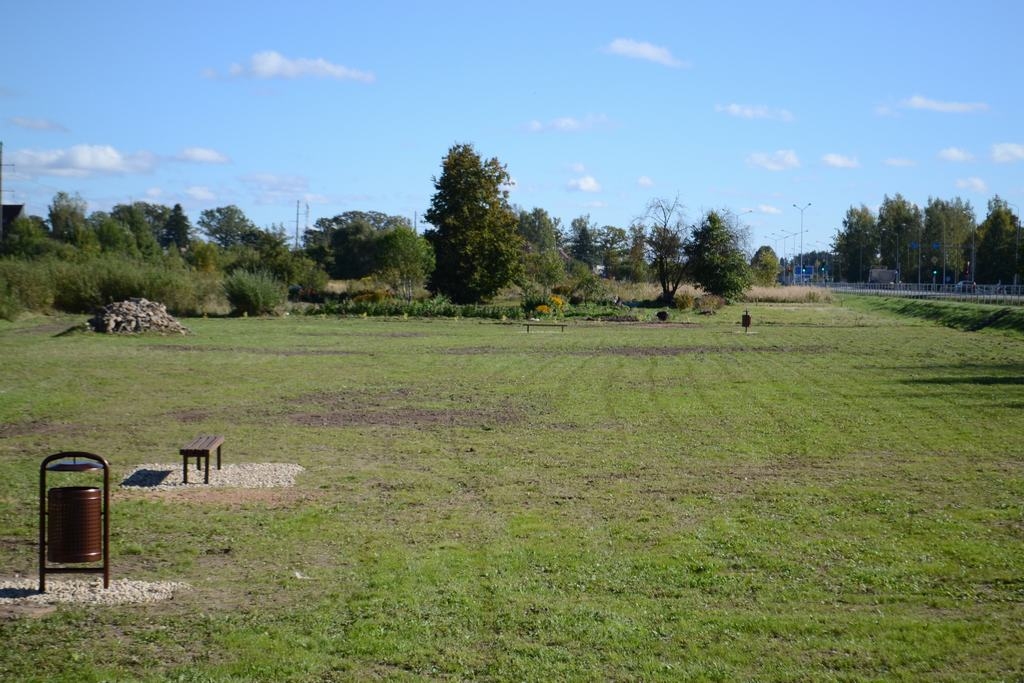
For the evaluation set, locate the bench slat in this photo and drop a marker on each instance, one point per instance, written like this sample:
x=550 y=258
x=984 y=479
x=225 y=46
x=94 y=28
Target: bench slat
x=202 y=444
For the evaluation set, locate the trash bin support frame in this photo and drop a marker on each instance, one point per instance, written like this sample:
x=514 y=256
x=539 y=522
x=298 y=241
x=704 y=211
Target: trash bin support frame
x=97 y=462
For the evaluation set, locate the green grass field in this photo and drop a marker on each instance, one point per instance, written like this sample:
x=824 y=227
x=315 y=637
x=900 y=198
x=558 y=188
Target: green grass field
x=837 y=495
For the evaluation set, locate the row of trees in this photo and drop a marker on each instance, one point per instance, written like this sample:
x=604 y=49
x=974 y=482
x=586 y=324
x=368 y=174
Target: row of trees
x=941 y=243
x=478 y=243
x=157 y=233
x=482 y=243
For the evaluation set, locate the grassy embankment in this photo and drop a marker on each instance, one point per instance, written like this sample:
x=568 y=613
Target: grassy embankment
x=836 y=495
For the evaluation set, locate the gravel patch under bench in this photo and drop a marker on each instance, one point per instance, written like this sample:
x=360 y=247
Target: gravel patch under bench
x=164 y=477
x=92 y=592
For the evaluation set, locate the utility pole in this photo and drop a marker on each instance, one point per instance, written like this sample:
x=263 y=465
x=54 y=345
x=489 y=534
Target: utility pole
x=801 y=210
x=2 y=164
x=1016 y=244
x=297 y=203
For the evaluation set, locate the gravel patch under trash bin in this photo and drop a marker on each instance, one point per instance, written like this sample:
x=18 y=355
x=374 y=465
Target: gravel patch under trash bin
x=164 y=477
x=87 y=592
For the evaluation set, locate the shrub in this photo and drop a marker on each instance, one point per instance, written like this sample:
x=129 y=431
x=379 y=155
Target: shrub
x=709 y=303
x=27 y=284
x=10 y=307
x=253 y=293
x=76 y=286
x=375 y=296
x=684 y=301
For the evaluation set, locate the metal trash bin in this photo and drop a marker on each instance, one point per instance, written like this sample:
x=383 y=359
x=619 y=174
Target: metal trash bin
x=75 y=529
x=74 y=521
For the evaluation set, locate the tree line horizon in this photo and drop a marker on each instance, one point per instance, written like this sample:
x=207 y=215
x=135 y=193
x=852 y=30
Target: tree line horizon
x=479 y=243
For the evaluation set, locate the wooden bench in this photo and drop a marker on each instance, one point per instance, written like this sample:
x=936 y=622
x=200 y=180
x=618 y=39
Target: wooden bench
x=558 y=325
x=200 y=448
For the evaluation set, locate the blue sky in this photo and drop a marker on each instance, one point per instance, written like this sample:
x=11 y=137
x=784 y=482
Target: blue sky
x=594 y=108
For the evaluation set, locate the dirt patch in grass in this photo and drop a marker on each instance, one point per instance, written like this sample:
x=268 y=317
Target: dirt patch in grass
x=189 y=416
x=410 y=417
x=640 y=351
x=399 y=407
x=345 y=399
x=474 y=351
x=37 y=427
x=259 y=352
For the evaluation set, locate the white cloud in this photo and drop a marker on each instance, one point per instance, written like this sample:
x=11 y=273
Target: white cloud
x=578 y=168
x=271 y=64
x=645 y=181
x=898 y=162
x=840 y=161
x=585 y=184
x=37 y=124
x=919 y=102
x=82 y=161
x=973 y=184
x=154 y=193
x=776 y=161
x=272 y=189
x=746 y=111
x=200 y=193
x=769 y=209
x=568 y=124
x=955 y=154
x=1007 y=152
x=202 y=155
x=624 y=47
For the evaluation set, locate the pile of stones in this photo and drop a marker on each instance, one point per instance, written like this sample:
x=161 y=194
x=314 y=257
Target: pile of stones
x=135 y=316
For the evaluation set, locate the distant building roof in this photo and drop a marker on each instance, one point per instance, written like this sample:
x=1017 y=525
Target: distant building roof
x=10 y=214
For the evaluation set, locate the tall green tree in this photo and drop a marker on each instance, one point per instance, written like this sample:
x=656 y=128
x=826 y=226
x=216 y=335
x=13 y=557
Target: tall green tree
x=613 y=251
x=26 y=237
x=177 y=229
x=538 y=230
x=996 y=244
x=475 y=242
x=665 y=240
x=764 y=267
x=857 y=244
x=113 y=235
x=405 y=260
x=347 y=245
x=900 y=223
x=133 y=217
x=227 y=226
x=636 y=258
x=67 y=216
x=950 y=224
x=582 y=241
x=715 y=259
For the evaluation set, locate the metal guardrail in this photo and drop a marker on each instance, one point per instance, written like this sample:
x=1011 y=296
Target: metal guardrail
x=997 y=295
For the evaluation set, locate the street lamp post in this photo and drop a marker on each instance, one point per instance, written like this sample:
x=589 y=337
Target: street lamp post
x=921 y=235
x=801 y=210
x=1016 y=248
